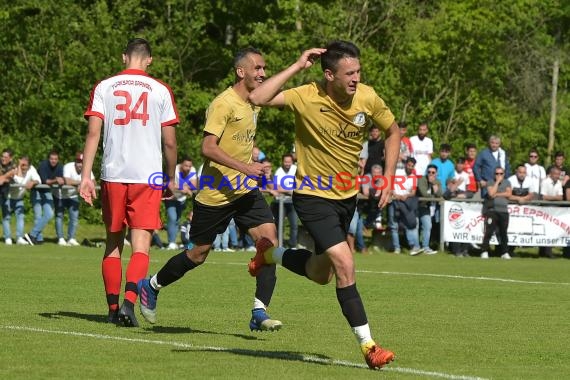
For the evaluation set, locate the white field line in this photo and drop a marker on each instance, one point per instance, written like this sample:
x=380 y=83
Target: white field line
x=192 y=347
x=454 y=276
x=478 y=278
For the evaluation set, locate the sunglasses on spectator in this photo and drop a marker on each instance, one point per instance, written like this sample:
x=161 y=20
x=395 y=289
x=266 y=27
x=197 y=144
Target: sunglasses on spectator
x=499 y=173
x=431 y=171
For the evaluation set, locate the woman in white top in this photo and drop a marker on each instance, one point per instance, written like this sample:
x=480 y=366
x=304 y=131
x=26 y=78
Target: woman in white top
x=25 y=178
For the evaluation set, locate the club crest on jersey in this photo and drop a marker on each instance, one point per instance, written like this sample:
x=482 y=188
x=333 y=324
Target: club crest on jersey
x=359 y=119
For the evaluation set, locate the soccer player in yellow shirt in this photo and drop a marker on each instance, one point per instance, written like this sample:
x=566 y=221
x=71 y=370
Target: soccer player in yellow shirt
x=228 y=189
x=331 y=120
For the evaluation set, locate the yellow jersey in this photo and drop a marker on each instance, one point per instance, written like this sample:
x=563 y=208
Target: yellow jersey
x=234 y=122
x=329 y=138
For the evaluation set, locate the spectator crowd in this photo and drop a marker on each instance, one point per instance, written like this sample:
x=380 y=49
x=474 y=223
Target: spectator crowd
x=412 y=217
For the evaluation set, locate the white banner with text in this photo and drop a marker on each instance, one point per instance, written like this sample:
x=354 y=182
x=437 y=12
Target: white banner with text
x=529 y=225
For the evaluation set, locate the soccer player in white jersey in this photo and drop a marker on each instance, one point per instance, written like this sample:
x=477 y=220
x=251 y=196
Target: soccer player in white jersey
x=137 y=112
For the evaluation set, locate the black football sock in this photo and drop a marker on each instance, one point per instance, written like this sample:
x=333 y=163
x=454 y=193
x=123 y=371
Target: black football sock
x=174 y=269
x=265 y=284
x=351 y=305
x=295 y=260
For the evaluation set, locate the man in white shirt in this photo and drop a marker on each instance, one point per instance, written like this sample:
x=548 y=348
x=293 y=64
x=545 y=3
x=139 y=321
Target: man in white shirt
x=69 y=200
x=186 y=182
x=523 y=187
x=535 y=171
x=284 y=182
x=422 y=149
x=551 y=187
x=137 y=115
x=405 y=185
x=550 y=190
x=457 y=185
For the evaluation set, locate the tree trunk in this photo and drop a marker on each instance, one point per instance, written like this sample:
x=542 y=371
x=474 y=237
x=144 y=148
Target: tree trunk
x=553 y=100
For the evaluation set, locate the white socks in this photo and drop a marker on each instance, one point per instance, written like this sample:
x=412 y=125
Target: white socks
x=362 y=334
x=153 y=282
x=257 y=304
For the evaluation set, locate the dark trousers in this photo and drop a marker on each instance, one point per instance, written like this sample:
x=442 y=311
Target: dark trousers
x=496 y=223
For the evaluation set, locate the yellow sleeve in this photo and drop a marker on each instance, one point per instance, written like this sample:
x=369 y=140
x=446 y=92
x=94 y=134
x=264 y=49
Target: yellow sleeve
x=294 y=98
x=217 y=116
x=381 y=114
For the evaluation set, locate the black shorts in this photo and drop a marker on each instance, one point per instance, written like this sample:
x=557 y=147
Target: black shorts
x=327 y=220
x=248 y=211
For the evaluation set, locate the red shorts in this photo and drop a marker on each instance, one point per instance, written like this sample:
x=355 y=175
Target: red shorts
x=136 y=205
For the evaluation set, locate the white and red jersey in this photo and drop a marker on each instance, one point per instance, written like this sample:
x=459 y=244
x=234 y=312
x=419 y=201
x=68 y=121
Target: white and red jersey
x=134 y=107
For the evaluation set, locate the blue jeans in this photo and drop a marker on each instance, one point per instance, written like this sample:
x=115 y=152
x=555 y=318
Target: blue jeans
x=425 y=222
x=15 y=206
x=72 y=205
x=360 y=234
x=42 y=203
x=222 y=240
x=356 y=228
x=233 y=233
x=247 y=241
x=174 y=210
x=411 y=234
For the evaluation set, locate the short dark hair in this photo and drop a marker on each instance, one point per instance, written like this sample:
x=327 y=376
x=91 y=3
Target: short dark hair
x=53 y=152
x=138 y=46
x=460 y=160
x=431 y=166
x=9 y=151
x=287 y=155
x=402 y=124
x=551 y=168
x=559 y=154
x=336 y=50
x=241 y=54
x=185 y=157
x=521 y=165
x=445 y=147
x=470 y=146
x=411 y=159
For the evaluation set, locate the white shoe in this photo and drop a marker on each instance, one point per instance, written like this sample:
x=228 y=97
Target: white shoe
x=172 y=246
x=429 y=251
x=62 y=242
x=228 y=250
x=397 y=251
x=73 y=242
x=416 y=251
x=250 y=249
x=21 y=241
x=506 y=256
x=8 y=241
x=484 y=255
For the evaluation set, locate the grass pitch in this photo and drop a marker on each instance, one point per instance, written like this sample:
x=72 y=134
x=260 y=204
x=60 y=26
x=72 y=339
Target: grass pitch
x=443 y=317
